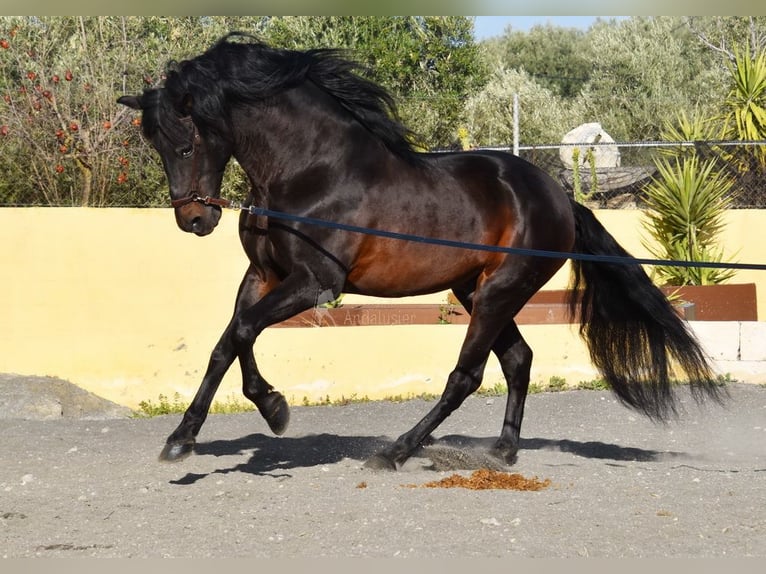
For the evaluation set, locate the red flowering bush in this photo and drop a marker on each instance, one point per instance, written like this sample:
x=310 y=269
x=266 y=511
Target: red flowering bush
x=63 y=138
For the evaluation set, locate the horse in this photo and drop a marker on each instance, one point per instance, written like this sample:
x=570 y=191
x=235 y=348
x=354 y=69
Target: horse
x=318 y=140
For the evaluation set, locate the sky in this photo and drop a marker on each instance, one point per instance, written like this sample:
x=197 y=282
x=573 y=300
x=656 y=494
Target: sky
x=488 y=26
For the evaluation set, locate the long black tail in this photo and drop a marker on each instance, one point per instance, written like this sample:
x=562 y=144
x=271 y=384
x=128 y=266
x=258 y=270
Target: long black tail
x=633 y=333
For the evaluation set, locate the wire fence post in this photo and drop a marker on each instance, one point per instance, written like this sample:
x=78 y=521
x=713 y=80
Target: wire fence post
x=515 y=124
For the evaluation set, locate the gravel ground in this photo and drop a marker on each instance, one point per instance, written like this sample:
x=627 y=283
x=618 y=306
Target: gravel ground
x=89 y=484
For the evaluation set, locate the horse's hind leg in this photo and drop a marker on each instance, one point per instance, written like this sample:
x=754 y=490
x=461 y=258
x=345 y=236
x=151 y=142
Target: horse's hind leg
x=461 y=383
x=515 y=359
x=483 y=330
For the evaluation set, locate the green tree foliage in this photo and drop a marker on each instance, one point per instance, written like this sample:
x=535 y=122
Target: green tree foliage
x=489 y=114
x=64 y=140
x=686 y=204
x=643 y=71
x=632 y=76
x=559 y=59
x=429 y=63
x=745 y=104
x=687 y=200
x=722 y=34
x=692 y=127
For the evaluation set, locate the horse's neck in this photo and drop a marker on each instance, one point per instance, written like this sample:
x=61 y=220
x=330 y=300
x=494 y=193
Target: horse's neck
x=296 y=132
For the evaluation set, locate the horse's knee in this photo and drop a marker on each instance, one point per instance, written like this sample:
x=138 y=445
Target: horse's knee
x=242 y=333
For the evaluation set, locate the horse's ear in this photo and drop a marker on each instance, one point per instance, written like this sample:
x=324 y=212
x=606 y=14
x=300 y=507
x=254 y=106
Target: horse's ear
x=131 y=101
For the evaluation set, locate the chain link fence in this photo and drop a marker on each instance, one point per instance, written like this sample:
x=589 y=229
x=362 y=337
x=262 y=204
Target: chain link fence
x=623 y=186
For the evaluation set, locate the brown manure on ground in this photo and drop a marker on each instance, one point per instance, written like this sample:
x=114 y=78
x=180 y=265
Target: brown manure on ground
x=486 y=479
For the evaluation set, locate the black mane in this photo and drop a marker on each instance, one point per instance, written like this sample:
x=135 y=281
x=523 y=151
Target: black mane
x=250 y=72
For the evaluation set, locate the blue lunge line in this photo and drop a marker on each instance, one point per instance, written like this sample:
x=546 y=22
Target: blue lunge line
x=496 y=248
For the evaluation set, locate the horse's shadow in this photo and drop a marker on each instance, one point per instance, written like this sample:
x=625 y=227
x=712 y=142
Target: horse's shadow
x=276 y=456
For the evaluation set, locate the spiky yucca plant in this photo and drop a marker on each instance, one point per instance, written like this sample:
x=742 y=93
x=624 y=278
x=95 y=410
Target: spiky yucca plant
x=694 y=128
x=685 y=208
x=746 y=100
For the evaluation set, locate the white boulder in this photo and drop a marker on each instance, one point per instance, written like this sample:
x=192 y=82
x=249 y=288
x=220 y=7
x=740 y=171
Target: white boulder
x=592 y=133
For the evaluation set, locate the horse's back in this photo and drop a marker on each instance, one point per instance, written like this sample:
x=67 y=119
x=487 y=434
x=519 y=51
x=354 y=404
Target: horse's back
x=525 y=193
x=488 y=169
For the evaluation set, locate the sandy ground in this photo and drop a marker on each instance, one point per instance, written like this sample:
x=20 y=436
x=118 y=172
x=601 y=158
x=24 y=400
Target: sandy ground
x=87 y=482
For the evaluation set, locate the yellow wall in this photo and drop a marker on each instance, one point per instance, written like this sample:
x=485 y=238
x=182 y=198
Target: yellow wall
x=123 y=304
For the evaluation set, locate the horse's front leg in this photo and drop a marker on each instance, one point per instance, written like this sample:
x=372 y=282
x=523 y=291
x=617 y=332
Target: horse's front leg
x=180 y=443
x=272 y=304
x=270 y=403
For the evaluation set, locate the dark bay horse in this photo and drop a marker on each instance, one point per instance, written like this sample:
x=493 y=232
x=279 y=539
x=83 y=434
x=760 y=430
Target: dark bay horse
x=318 y=140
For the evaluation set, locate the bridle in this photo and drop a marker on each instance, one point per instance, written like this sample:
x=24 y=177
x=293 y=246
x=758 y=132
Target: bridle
x=194 y=196
x=260 y=219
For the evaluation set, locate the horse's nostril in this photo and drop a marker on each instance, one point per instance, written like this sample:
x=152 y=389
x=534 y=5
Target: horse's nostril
x=196 y=224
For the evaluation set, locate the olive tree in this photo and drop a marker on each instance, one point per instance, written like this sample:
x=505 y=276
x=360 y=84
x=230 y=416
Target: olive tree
x=543 y=117
x=558 y=58
x=644 y=70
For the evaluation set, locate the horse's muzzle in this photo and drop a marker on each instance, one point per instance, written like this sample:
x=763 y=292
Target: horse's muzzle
x=198 y=219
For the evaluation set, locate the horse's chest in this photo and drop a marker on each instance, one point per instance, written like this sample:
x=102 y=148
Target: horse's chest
x=255 y=242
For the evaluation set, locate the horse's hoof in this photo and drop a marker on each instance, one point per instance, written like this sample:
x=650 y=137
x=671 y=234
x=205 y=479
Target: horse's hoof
x=428 y=441
x=506 y=455
x=274 y=409
x=174 y=452
x=380 y=462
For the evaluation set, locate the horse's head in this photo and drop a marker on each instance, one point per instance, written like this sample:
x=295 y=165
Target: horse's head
x=194 y=162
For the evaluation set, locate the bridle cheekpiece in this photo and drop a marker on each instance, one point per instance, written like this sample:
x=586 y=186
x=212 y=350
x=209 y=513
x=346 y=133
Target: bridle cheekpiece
x=194 y=196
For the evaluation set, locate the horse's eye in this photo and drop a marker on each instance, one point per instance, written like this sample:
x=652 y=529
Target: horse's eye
x=185 y=152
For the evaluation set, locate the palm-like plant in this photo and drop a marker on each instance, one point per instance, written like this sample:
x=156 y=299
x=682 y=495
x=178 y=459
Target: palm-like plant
x=746 y=100
x=693 y=128
x=685 y=208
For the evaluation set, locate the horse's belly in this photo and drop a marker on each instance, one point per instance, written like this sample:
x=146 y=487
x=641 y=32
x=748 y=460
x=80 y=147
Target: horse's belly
x=405 y=276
